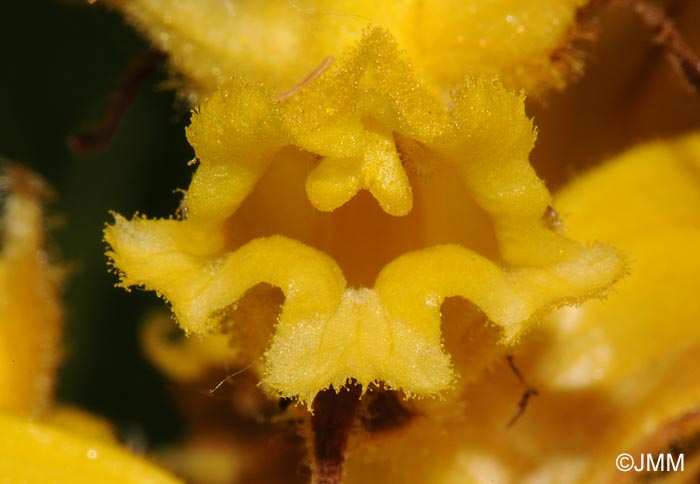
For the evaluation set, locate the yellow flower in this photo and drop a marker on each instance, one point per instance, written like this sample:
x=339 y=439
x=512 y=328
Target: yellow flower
x=526 y=44
x=338 y=221
x=33 y=452
x=31 y=311
x=366 y=124
x=614 y=376
x=42 y=442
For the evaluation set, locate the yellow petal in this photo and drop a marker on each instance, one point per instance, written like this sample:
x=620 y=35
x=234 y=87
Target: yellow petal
x=184 y=359
x=81 y=423
x=646 y=189
x=614 y=376
x=645 y=202
x=35 y=453
x=526 y=44
x=30 y=311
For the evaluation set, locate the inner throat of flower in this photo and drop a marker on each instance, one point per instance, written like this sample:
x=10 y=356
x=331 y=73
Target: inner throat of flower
x=359 y=235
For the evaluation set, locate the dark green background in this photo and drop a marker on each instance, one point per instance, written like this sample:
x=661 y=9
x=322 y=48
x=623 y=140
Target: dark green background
x=60 y=63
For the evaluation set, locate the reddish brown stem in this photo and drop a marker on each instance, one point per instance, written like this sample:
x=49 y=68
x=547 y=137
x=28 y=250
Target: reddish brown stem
x=97 y=138
x=668 y=38
x=331 y=422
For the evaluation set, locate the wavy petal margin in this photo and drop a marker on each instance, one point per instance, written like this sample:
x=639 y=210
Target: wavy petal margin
x=348 y=118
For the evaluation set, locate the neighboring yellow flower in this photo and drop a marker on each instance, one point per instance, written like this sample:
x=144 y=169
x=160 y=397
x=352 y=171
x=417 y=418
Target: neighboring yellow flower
x=30 y=307
x=613 y=376
x=32 y=452
x=41 y=442
x=640 y=349
x=526 y=44
x=645 y=202
x=365 y=124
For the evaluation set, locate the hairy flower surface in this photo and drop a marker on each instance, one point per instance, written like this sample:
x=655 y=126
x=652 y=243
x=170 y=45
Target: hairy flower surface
x=275 y=200
x=42 y=442
x=526 y=44
x=612 y=376
x=30 y=327
x=369 y=281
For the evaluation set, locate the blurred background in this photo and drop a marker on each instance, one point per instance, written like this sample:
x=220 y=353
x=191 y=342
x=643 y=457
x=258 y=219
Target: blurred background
x=61 y=62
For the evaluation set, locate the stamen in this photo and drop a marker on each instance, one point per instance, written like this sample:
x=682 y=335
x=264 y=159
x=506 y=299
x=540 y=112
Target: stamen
x=228 y=378
x=315 y=74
